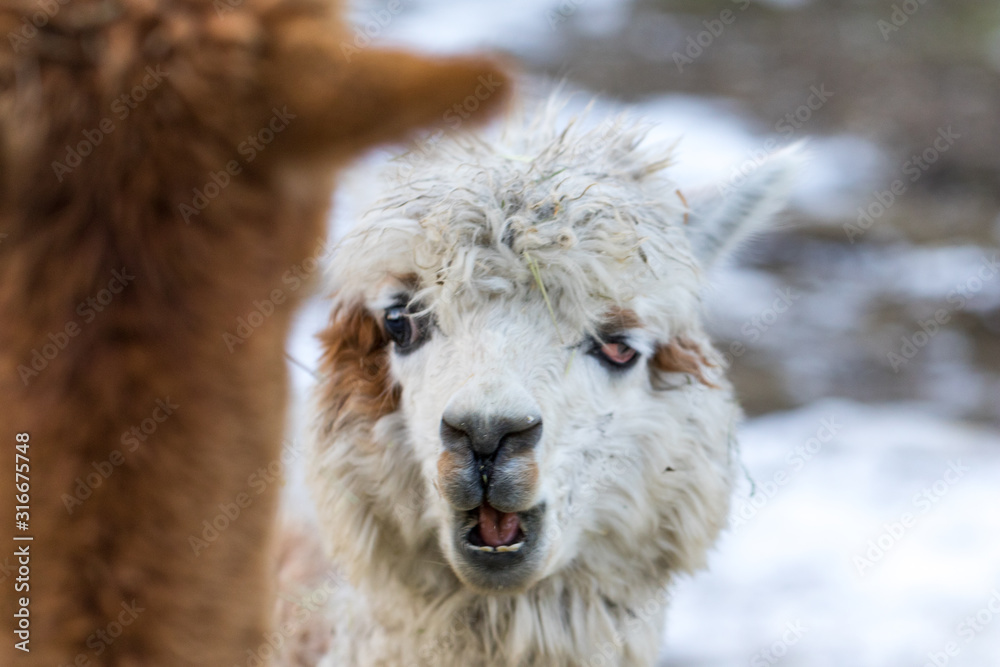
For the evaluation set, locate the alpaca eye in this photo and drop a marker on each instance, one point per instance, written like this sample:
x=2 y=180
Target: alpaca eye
x=615 y=354
x=400 y=326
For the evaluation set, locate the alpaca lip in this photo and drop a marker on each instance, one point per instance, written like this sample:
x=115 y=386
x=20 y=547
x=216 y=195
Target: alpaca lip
x=505 y=567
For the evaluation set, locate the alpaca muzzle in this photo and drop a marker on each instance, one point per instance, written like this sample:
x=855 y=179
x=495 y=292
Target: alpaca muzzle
x=488 y=461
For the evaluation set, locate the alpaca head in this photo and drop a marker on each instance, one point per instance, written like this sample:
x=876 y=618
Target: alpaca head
x=516 y=375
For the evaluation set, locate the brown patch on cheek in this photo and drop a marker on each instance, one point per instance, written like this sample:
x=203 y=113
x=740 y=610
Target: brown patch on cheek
x=682 y=355
x=457 y=482
x=449 y=469
x=529 y=474
x=355 y=363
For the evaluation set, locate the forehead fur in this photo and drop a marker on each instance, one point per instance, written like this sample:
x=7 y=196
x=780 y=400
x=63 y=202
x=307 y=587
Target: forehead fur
x=585 y=213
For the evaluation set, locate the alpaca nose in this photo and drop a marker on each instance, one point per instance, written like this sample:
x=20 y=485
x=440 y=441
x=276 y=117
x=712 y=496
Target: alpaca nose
x=485 y=434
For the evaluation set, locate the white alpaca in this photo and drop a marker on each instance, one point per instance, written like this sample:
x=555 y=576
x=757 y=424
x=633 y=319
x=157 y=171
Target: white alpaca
x=522 y=432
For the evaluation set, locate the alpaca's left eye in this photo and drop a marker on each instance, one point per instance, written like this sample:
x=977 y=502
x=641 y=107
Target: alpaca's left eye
x=615 y=354
x=400 y=326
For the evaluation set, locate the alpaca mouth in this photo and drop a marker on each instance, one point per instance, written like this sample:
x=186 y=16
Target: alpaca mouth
x=495 y=531
x=498 y=551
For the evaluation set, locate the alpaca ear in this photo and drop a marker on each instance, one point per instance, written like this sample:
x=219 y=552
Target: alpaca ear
x=723 y=216
x=346 y=100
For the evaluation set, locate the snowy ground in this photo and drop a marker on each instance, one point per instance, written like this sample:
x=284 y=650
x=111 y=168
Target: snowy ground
x=831 y=479
x=873 y=532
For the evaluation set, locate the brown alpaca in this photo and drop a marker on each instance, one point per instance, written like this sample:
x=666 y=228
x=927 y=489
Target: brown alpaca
x=165 y=171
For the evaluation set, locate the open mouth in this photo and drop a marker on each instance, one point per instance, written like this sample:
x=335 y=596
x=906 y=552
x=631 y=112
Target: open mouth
x=496 y=550
x=494 y=531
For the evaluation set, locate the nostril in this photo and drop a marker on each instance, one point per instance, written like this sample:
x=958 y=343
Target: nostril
x=485 y=434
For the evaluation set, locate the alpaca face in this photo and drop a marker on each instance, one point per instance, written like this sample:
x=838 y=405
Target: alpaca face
x=532 y=435
x=517 y=379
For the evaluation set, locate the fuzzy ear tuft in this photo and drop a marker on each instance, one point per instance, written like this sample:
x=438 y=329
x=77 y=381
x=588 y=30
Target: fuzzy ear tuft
x=725 y=215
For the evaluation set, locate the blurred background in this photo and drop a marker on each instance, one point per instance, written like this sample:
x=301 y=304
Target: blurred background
x=864 y=333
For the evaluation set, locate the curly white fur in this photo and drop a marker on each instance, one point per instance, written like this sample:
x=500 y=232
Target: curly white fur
x=635 y=468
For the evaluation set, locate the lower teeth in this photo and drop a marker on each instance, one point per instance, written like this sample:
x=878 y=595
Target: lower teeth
x=500 y=549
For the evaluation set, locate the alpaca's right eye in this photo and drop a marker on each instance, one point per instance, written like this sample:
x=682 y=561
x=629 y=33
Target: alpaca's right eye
x=399 y=326
x=403 y=328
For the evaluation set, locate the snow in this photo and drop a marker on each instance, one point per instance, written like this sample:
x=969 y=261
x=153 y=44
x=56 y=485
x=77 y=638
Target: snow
x=795 y=558
x=521 y=26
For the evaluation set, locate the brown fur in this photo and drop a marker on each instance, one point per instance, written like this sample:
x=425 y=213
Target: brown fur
x=161 y=336
x=356 y=363
x=682 y=355
x=621 y=319
x=450 y=467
